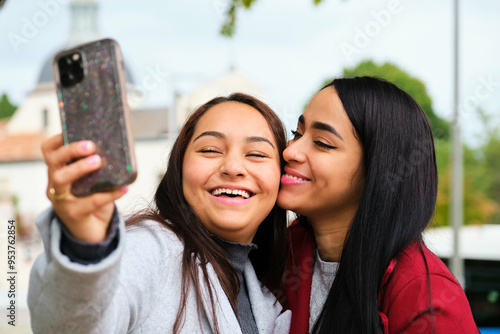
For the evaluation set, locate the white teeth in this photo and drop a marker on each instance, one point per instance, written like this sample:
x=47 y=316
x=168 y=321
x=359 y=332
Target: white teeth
x=239 y=192
x=293 y=177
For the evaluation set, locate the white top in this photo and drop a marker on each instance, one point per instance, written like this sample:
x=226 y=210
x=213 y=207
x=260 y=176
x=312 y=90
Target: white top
x=323 y=275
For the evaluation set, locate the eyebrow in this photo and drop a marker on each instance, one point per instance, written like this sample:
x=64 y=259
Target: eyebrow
x=256 y=139
x=219 y=135
x=321 y=126
x=210 y=133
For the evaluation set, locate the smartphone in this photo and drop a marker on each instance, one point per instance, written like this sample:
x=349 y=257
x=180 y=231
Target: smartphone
x=90 y=84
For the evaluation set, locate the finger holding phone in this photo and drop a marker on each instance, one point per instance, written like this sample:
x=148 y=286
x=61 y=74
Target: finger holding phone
x=86 y=218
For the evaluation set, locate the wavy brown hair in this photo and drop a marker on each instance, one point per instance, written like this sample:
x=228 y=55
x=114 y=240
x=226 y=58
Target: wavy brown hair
x=174 y=212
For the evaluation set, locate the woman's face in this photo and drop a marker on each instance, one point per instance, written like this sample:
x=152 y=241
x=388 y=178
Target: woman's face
x=231 y=171
x=324 y=174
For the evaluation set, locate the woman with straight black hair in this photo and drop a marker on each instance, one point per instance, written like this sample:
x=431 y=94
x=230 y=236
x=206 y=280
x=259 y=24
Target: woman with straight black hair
x=203 y=260
x=361 y=174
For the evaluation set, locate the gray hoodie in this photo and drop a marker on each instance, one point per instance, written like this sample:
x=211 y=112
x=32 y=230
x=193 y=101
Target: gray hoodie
x=136 y=289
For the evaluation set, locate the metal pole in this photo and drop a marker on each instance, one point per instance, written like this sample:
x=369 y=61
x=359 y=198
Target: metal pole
x=456 y=205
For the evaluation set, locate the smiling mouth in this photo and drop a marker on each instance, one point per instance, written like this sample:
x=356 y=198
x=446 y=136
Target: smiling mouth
x=225 y=192
x=288 y=176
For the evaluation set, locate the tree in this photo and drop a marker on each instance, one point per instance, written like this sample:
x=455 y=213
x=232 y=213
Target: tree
x=7 y=109
x=229 y=24
x=491 y=153
x=413 y=86
x=230 y=20
x=479 y=206
x=489 y=160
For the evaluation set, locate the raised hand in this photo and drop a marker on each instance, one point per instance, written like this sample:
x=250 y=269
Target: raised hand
x=87 y=218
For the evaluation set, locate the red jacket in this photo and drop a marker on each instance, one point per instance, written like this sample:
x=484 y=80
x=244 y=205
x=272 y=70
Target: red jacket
x=404 y=307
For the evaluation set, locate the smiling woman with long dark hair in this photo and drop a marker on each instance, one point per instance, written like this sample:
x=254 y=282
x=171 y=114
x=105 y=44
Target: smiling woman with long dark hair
x=361 y=173
x=196 y=261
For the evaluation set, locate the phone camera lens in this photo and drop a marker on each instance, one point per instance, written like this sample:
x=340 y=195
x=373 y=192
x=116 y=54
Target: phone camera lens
x=71 y=69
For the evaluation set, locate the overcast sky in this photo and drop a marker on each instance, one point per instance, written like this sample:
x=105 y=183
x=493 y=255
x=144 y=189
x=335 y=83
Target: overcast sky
x=287 y=47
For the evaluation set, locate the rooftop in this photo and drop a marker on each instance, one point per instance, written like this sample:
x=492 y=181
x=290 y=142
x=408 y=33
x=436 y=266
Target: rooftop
x=22 y=147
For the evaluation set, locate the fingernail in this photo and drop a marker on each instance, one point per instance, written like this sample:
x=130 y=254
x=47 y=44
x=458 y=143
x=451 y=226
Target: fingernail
x=93 y=160
x=85 y=146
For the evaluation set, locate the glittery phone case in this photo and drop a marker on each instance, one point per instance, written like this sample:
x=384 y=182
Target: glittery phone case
x=94 y=107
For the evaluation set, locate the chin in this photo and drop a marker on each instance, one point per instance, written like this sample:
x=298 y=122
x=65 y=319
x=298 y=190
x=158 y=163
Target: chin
x=287 y=202
x=232 y=225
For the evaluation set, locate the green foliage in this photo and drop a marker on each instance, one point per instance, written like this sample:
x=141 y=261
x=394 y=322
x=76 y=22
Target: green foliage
x=230 y=20
x=441 y=213
x=480 y=204
x=229 y=24
x=228 y=27
x=408 y=83
x=491 y=177
x=247 y=3
x=7 y=109
x=481 y=179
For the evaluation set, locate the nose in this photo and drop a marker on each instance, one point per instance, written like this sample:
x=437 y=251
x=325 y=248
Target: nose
x=294 y=152
x=233 y=166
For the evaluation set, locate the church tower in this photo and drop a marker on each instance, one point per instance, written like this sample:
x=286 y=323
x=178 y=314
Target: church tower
x=84 y=25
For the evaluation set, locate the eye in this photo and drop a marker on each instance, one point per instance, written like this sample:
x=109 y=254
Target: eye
x=323 y=145
x=257 y=154
x=209 y=150
x=296 y=135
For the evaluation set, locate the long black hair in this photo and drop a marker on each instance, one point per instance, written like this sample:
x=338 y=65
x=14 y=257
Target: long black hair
x=268 y=260
x=397 y=201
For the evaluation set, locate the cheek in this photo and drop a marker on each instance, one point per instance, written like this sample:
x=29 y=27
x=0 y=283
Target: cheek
x=191 y=179
x=334 y=182
x=270 y=178
x=358 y=181
x=191 y=185
x=351 y=182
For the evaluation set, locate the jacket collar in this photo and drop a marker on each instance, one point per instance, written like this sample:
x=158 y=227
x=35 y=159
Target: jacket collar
x=298 y=275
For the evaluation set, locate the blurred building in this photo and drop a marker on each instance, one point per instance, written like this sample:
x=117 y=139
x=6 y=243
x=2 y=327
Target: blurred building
x=231 y=82
x=37 y=118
